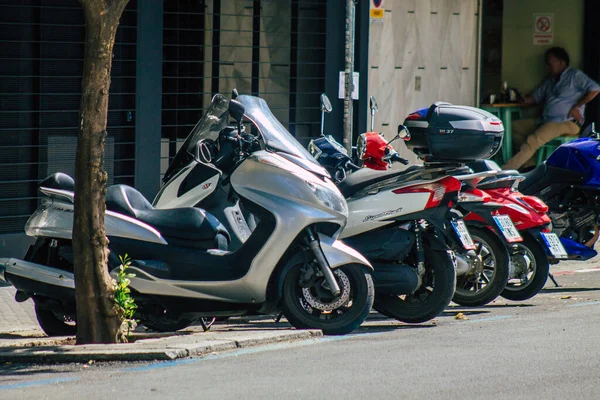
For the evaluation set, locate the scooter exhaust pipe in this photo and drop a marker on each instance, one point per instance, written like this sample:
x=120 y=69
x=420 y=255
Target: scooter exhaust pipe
x=395 y=279
x=463 y=264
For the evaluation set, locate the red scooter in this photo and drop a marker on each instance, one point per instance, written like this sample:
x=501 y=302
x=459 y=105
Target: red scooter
x=529 y=247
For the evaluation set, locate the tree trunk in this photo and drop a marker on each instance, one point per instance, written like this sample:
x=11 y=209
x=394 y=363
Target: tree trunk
x=98 y=318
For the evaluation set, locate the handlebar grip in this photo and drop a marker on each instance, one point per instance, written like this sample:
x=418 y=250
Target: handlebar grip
x=352 y=166
x=396 y=157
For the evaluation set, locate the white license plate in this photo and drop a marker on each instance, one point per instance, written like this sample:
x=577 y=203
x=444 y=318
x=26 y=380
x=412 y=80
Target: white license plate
x=463 y=234
x=555 y=246
x=508 y=229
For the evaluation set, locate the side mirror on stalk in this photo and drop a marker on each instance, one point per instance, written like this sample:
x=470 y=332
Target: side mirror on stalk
x=374 y=108
x=234 y=94
x=403 y=134
x=325 y=103
x=325 y=108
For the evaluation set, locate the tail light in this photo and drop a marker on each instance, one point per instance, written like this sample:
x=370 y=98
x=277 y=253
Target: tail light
x=535 y=203
x=436 y=190
x=474 y=195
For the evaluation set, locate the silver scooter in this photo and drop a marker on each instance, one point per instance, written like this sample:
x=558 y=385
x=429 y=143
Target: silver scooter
x=289 y=262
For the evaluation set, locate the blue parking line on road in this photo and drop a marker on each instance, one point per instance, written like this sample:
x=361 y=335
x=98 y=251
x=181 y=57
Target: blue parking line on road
x=37 y=383
x=494 y=318
x=588 y=303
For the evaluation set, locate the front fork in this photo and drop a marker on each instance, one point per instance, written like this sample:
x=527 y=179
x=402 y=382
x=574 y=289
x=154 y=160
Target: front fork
x=313 y=244
x=420 y=250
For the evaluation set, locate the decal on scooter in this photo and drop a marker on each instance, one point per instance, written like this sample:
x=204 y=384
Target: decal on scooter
x=446 y=131
x=383 y=214
x=206 y=185
x=67 y=210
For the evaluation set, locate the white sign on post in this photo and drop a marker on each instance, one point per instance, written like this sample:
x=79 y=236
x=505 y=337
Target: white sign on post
x=543 y=34
x=342 y=86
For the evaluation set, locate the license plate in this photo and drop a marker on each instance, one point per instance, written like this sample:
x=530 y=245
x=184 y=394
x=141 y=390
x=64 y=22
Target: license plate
x=508 y=229
x=555 y=246
x=463 y=234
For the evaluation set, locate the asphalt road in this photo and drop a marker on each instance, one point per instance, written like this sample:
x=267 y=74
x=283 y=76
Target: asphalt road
x=547 y=347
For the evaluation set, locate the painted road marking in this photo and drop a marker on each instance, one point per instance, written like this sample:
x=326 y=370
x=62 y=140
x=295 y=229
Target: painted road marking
x=37 y=383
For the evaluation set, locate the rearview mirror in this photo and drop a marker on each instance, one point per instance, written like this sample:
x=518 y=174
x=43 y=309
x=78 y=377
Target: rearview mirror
x=403 y=132
x=373 y=105
x=325 y=103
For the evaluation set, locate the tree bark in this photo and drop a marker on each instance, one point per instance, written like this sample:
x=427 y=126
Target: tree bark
x=98 y=317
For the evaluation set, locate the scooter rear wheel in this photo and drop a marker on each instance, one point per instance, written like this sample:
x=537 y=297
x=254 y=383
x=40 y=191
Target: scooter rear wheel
x=308 y=304
x=55 y=324
x=430 y=299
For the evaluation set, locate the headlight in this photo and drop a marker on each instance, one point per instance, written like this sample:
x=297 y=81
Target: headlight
x=330 y=198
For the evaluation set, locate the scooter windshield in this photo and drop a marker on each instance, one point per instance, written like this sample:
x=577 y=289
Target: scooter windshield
x=276 y=137
x=209 y=127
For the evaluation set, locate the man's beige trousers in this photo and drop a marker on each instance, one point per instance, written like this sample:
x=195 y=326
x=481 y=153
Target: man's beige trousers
x=528 y=139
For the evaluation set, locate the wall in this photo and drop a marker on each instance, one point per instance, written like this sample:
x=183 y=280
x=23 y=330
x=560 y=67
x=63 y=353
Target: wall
x=431 y=40
x=522 y=61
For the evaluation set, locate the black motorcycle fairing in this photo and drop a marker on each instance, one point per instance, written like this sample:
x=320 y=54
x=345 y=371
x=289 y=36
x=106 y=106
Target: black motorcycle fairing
x=357 y=181
x=390 y=244
x=189 y=226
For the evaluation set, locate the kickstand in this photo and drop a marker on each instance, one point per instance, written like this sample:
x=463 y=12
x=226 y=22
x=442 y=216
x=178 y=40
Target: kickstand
x=278 y=317
x=206 y=326
x=553 y=280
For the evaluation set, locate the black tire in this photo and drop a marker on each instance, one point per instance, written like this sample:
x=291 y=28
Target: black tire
x=430 y=299
x=54 y=324
x=495 y=273
x=342 y=319
x=540 y=268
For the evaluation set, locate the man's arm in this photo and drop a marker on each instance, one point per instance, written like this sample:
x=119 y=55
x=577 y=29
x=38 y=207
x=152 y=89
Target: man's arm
x=586 y=98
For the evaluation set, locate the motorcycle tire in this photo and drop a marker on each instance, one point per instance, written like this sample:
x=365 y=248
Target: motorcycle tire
x=314 y=307
x=430 y=299
x=54 y=324
x=496 y=252
x=540 y=268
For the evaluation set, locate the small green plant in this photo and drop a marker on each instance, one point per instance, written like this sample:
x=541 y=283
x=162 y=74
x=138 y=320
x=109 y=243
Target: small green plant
x=123 y=297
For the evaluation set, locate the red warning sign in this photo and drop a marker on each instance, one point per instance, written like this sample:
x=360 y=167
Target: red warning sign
x=542 y=29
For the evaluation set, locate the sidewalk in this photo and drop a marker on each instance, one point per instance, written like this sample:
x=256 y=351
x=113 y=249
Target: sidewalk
x=21 y=339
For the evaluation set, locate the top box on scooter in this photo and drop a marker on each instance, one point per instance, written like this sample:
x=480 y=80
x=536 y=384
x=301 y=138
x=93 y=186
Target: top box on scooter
x=446 y=132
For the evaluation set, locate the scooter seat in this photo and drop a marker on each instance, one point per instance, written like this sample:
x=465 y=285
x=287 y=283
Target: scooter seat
x=365 y=177
x=536 y=175
x=187 y=227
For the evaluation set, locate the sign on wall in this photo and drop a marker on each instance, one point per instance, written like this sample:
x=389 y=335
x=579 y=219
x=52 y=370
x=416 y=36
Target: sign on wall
x=377 y=11
x=543 y=34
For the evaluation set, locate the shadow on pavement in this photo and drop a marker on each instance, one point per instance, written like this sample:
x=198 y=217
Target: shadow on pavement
x=568 y=290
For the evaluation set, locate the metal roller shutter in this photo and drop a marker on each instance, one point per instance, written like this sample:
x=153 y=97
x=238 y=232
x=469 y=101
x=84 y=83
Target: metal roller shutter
x=271 y=48
x=41 y=66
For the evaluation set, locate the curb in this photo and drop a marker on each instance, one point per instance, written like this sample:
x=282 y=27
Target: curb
x=155 y=349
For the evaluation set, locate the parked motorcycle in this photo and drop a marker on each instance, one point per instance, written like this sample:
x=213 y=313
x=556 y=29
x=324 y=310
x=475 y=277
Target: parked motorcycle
x=376 y=154
x=529 y=266
x=184 y=269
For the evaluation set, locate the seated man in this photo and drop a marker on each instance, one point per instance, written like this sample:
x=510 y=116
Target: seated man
x=564 y=94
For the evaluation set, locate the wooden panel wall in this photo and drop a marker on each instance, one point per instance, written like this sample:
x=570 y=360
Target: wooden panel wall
x=435 y=40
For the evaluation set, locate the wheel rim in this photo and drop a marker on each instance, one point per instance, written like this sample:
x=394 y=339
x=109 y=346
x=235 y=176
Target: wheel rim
x=485 y=270
x=523 y=267
x=316 y=299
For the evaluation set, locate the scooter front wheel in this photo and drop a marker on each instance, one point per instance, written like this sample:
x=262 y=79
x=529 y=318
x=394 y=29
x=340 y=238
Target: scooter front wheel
x=483 y=285
x=309 y=304
x=529 y=270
